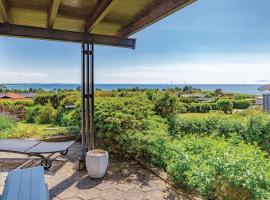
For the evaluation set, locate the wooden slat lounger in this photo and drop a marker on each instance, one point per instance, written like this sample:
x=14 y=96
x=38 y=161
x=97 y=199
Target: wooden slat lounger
x=36 y=148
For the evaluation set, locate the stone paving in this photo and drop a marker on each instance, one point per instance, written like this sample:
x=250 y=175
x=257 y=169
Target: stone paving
x=123 y=181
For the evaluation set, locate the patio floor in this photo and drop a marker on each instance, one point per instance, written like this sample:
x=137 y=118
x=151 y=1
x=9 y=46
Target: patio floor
x=123 y=180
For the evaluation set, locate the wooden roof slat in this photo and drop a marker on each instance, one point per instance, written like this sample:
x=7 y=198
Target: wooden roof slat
x=159 y=10
x=102 y=10
x=110 y=22
x=68 y=36
x=4 y=11
x=53 y=12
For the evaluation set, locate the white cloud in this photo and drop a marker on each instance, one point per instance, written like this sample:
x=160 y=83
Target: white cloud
x=197 y=72
x=55 y=76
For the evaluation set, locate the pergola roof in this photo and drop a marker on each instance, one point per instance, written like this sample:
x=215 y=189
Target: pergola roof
x=108 y=22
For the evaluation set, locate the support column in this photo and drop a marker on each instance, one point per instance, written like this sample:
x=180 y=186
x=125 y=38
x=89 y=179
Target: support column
x=87 y=90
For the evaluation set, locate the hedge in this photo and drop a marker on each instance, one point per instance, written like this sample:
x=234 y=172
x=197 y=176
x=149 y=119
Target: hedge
x=254 y=130
x=241 y=104
x=200 y=107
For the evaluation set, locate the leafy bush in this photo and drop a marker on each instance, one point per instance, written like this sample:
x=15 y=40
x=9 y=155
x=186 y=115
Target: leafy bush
x=225 y=105
x=241 y=104
x=45 y=115
x=219 y=169
x=258 y=131
x=6 y=123
x=166 y=105
x=40 y=114
x=200 y=107
x=121 y=115
x=32 y=112
x=53 y=99
x=214 y=106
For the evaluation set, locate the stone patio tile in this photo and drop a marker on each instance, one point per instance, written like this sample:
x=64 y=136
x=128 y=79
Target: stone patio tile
x=71 y=192
x=134 y=194
x=112 y=194
x=148 y=187
x=89 y=194
x=125 y=186
x=105 y=185
x=156 y=195
x=55 y=198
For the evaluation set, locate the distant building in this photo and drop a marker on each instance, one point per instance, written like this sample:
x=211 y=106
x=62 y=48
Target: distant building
x=259 y=101
x=28 y=95
x=265 y=90
x=10 y=95
x=205 y=99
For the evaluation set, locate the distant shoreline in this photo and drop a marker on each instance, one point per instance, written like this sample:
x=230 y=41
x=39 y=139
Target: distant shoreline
x=234 y=88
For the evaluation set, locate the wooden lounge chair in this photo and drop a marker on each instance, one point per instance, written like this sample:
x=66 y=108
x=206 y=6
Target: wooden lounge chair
x=36 y=148
x=26 y=184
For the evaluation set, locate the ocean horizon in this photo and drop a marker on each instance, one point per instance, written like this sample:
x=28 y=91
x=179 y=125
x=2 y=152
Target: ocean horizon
x=234 y=88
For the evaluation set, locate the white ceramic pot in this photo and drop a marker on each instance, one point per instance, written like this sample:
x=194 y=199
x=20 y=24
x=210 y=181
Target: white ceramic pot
x=96 y=163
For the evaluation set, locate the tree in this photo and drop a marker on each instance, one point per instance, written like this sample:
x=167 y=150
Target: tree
x=188 y=89
x=3 y=88
x=218 y=92
x=225 y=105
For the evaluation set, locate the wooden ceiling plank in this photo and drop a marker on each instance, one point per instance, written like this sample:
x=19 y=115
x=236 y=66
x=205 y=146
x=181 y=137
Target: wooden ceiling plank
x=159 y=10
x=102 y=10
x=4 y=11
x=65 y=36
x=53 y=12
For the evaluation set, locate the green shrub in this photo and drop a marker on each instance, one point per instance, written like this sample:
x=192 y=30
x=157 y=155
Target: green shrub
x=166 y=105
x=45 y=115
x=219 y=169
x=27 y=103
x=40 y=114
x=121 y=115
x=214 y=106
x=258 y=131
x=225 y=105
x=241 y=104
x=53 y=99
x=32 y=112
x=200 y=107
x=6 y=123
x=69 y=100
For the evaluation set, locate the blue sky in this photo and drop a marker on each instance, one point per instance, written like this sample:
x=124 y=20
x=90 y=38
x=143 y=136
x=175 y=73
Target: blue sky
x=210 y=41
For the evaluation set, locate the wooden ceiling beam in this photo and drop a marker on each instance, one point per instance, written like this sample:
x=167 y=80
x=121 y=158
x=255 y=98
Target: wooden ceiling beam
x=102 y=10
x=65 y=36
x=159 y=10
x=4 y=11
x=53 y=12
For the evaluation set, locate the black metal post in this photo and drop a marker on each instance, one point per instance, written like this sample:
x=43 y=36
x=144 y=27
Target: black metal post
x=87 y=90
x=92 y=110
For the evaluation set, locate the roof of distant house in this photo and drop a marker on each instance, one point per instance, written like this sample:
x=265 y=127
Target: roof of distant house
x=11 y=95
x=29 y=95
x=264 y=88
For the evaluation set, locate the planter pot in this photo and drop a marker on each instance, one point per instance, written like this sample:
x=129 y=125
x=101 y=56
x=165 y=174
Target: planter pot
x=97 y=163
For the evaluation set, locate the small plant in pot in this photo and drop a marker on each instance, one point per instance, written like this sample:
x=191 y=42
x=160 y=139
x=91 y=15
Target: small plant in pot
x=97 y=162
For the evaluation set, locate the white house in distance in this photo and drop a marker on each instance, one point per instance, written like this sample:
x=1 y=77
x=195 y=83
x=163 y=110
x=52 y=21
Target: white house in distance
x=259 y=101
x=265 y=90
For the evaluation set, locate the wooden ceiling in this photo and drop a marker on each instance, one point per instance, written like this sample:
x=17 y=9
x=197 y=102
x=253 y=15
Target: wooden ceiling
x=111 y=18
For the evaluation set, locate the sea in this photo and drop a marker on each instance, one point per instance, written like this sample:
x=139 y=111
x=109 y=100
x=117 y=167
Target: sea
x=234 y=88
